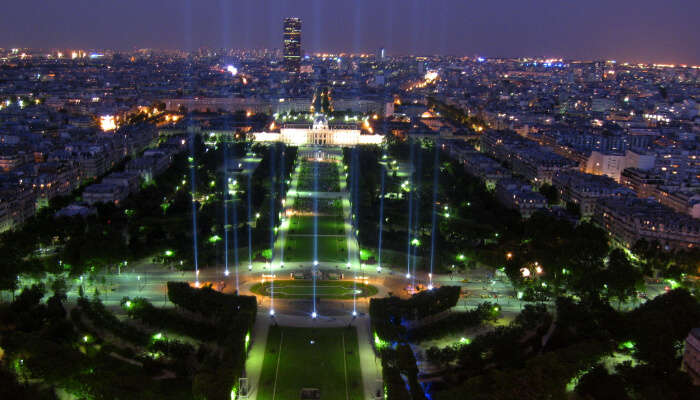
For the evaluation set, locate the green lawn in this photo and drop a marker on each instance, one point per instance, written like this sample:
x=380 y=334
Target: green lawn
x=330 y=249
x=325 y=289
x=326 y=225
x=292 y=362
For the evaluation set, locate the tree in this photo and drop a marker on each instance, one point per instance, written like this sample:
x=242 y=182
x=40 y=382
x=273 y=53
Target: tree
x=660 y=326
x=550 y=193
x=621 y=277
x=598 y=384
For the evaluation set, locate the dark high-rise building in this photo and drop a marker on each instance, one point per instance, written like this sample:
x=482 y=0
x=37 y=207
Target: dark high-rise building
x=292 y=44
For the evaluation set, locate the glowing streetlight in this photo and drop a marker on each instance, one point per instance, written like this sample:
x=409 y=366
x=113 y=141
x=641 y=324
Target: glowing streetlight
x=315 y=263
x=250 y=267
x=314 y=315
x=226 y=273
x=408 y=276
x=272 y=312
x=354 y=313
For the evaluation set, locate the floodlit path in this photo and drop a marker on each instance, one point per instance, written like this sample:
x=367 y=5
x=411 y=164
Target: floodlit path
x=278 y=251
x=371 y=365
x=254 y=362
x=353 y=247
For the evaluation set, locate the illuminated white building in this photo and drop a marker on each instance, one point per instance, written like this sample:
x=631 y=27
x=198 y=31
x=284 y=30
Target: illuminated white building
x=319 y=133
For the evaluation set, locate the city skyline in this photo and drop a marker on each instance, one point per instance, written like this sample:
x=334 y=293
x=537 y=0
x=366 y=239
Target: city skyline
x=594 y=30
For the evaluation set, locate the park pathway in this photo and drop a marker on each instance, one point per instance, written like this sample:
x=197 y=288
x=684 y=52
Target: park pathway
x=254 y=362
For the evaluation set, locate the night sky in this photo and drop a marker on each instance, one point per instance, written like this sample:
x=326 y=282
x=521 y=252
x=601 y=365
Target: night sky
x=627 y=30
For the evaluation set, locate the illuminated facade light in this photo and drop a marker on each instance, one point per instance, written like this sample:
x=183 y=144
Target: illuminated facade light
x=108 y=123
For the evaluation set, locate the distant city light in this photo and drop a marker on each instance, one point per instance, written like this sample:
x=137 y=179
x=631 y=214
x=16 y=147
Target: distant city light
x=232 y=70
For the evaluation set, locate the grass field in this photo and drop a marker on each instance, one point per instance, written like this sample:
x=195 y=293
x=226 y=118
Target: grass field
x=295 y=289
x=292 y=362
x=326 y=225
x=330 y=249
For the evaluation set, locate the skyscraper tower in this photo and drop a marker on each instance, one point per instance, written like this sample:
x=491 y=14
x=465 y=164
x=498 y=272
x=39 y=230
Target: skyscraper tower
x=292 y=44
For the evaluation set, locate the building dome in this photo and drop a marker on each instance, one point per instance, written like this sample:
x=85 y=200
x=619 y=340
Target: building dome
x=320 y=122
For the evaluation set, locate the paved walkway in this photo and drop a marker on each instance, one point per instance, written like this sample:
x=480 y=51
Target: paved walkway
x=256 y=355
x=371 y=364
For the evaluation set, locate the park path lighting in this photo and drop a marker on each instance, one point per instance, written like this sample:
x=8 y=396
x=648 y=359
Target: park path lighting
x=525 y=272
x=408 y=276
x=539 y=270
x=272 y=312
x=314 y=315
x=509 y=255
x=250 y=267
x=315 y=263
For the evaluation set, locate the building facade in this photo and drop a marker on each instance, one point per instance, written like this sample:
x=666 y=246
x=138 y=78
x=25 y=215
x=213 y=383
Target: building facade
x=691 y=356
x=630 y=219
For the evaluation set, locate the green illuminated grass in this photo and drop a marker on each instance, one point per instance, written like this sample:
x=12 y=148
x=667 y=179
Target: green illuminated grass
x=295 y=289
x=330 y=249
x=291 y=362
x=326 y=226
